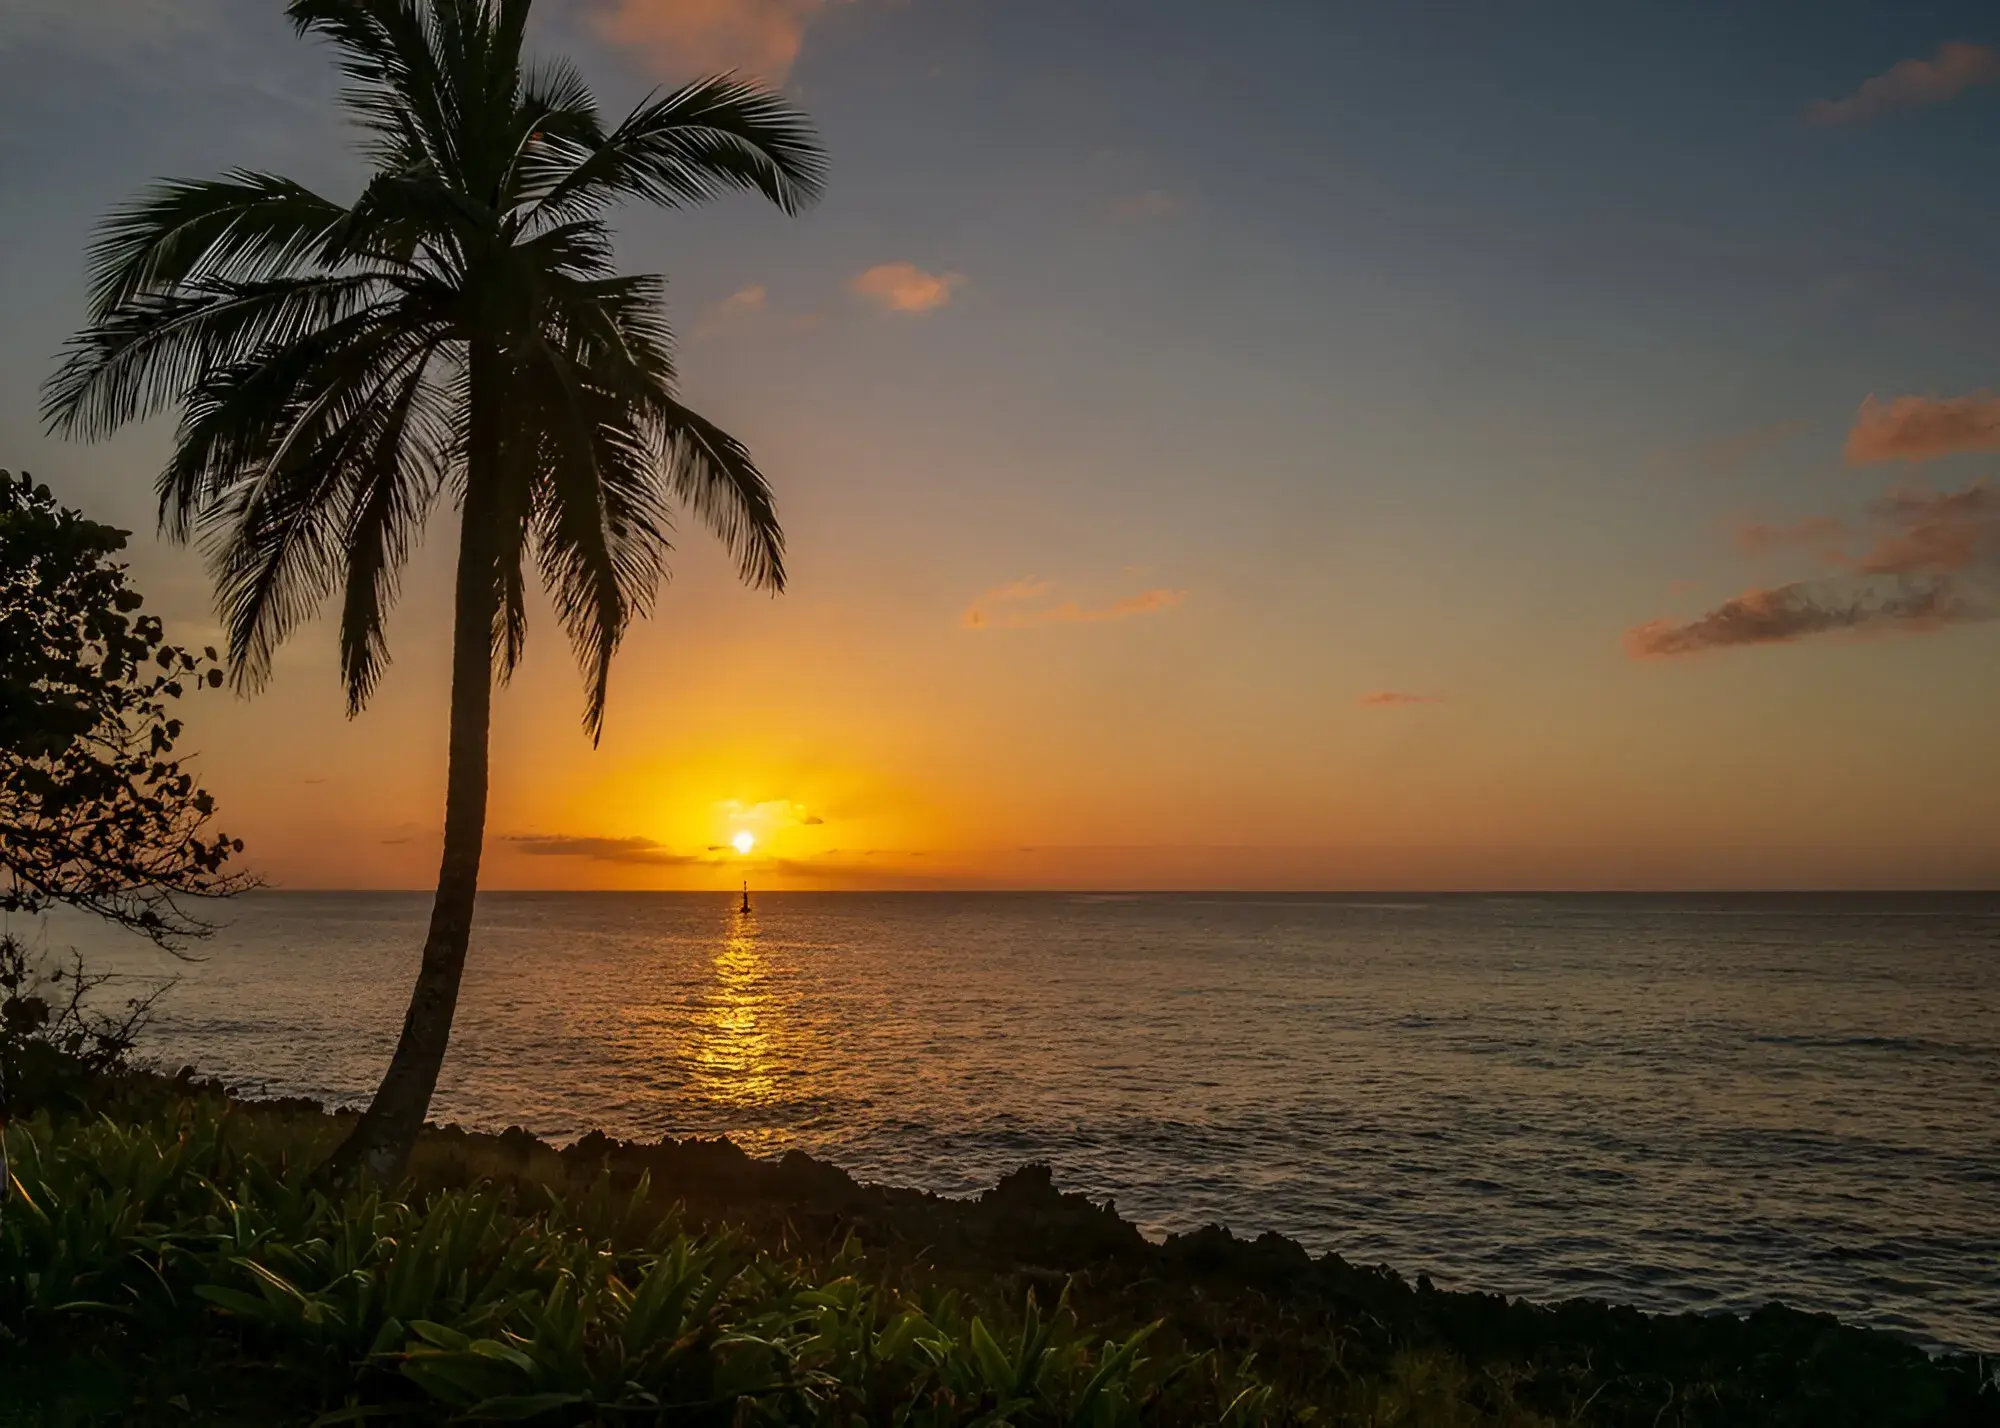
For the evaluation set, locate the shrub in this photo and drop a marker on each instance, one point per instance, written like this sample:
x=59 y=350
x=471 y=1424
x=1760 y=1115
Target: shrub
x=192 y=1259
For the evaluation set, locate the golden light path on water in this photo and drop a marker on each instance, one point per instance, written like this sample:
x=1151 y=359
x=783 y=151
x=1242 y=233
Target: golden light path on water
x=733 y=1031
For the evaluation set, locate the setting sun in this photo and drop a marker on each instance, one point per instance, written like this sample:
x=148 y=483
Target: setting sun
x=744 y=841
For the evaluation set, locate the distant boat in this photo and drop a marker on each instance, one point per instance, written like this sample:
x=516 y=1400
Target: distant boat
x=746 y=898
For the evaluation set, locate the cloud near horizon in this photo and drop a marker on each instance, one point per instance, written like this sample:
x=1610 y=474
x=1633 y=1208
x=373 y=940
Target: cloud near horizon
x=979 y=617
x=1396 y=699
x=1922 y=428
x=904 y=287
x=1918 y=562
x=683 y=38
x=599 y=850
x=1912 y=84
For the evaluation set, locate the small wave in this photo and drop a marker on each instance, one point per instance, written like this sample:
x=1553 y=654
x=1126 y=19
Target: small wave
x=1909 y=1045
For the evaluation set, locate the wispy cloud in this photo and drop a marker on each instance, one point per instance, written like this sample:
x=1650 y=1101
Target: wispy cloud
x=743 y=303
x=1396 y=699
x=1783 y=613
x=1912 y=84
x=1935 y=533
x=1917 y=561
x=766 y=814
x=981 y=614
x=904 y=287
x=1921 y=428
x=680 y=38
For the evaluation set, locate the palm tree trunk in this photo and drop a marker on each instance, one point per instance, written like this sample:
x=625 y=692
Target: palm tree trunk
x=381 y=1143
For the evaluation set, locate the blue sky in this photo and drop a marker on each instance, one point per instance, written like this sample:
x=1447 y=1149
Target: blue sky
x=1418 y=350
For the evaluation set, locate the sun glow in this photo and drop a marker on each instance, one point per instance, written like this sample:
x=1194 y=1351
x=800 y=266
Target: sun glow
x=744 y=841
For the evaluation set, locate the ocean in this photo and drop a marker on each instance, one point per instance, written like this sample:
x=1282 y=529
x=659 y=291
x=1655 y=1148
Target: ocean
x=1675 y=1102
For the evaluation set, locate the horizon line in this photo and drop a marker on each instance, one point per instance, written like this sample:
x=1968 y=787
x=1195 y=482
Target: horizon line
x=1774 y=891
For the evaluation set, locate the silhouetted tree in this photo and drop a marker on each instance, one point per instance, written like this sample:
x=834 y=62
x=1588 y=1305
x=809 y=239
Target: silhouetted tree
x=458 y=328
x=96 y=811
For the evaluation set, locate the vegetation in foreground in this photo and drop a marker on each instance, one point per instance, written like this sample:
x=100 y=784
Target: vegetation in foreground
x=180 y=1267
x=169 y=1259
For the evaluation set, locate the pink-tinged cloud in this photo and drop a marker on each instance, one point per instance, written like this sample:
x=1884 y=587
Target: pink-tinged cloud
x=1918 y=561
x=904 y=287
x=1395 y=699
x=1921 y=428
x=743 y=303
x=1935 y=533
x=682 y=38
x=1784 y=613
x=1912 y=84
x=1907 y=532
x=980 y=617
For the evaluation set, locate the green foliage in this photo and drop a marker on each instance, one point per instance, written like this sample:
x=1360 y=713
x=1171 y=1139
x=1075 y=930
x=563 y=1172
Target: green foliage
x=176 y=1263
x=96 y=811
x=191 y=1258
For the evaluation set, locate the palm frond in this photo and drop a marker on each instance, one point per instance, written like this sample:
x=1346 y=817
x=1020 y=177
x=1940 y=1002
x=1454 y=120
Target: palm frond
x=240 y=416
x=701 y=141
x=394 y=485
x=278 y=541
x=396 y=87
x=244 y=226
x=713 y=474
x=614 y=329
x=600 y=531
x=148 y=353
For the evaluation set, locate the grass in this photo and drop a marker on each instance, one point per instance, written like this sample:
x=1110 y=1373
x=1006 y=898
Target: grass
x=171 y=1261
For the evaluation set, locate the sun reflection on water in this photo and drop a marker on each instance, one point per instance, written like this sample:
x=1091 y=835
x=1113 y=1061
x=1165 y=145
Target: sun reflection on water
x=735 y=1027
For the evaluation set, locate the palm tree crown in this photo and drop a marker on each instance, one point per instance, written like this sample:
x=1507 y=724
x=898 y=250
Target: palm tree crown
x=458 y=327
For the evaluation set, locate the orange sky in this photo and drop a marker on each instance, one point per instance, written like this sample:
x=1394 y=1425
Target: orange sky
x=881 y=742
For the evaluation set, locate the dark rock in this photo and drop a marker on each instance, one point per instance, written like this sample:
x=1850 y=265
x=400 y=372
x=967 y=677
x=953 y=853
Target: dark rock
x=519 y=1143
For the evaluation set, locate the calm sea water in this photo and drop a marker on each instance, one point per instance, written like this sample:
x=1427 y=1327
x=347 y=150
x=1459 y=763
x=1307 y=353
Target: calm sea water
x=1669 y=1101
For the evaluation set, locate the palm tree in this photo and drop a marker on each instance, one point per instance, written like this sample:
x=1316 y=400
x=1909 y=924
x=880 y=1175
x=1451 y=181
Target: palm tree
x=459 y=328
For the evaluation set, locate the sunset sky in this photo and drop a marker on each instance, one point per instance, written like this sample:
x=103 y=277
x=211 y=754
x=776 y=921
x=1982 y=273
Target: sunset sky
x=1296 y=444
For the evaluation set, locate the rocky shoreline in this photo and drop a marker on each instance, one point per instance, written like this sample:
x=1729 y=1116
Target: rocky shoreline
x=1304 y=1316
